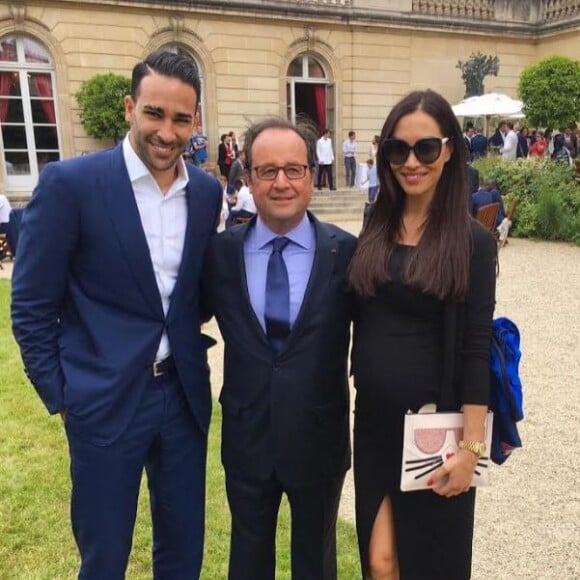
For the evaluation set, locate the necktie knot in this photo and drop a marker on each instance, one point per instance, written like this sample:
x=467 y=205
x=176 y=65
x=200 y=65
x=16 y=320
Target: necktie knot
x=279 y=244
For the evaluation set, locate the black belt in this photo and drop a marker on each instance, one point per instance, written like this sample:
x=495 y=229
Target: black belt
x=163 y=368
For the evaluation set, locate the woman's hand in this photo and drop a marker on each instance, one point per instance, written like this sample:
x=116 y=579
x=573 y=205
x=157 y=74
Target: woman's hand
x=455 y=475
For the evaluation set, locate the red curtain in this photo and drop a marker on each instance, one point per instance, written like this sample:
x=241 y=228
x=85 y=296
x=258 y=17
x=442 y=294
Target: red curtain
x=4 y=92
x=43 y=86
x=320 y=104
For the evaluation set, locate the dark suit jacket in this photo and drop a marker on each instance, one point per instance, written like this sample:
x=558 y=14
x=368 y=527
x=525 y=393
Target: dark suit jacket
x=236 y=171
x=484 y=197
x=522 y=149
x=478 y=146
x=86 y=310
x=473 y=175
x=289 y=412
x=467 y=147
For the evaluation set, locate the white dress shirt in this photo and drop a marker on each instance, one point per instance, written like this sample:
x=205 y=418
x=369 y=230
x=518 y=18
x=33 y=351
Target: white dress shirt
x=324 y=151
x=5 y=209
x=349 y=148
x=245 y=200
x=510 y=145
x=164 y=220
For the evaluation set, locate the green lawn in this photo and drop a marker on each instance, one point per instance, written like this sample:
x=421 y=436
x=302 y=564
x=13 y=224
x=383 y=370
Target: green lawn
x=35 y=537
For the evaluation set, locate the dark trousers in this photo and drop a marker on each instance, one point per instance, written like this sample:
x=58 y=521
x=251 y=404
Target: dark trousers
x=254 y=508
x=325 y=170
x=350 y=170
x=164 y=439
x=225 y=170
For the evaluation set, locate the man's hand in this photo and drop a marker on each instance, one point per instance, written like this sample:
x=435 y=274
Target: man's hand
x=62 y=414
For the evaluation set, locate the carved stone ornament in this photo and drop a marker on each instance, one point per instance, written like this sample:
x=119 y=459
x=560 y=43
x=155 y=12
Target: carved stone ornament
x=18 y=13
x=176 y=24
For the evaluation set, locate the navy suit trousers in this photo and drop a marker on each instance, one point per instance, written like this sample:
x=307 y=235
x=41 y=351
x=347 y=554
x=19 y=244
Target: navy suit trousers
x=163 y=438
x=254 y=508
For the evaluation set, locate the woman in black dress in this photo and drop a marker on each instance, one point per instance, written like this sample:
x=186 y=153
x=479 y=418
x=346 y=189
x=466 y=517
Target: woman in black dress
x=424 y=277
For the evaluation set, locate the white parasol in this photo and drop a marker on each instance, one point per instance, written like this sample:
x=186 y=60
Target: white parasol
x=489 y=105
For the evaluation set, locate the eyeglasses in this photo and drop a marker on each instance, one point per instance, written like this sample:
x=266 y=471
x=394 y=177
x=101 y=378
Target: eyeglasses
x=270 y=172
x=428 y=150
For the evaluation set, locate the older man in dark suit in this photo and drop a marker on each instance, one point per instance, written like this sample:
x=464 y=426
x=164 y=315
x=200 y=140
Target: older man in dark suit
x=278 y=288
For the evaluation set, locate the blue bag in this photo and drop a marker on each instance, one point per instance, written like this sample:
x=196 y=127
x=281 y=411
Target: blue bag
x=506 y=396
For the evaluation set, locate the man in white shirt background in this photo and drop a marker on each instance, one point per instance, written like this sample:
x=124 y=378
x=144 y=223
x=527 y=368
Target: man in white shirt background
x=245 y=207
x=5 y=210
x=510 y=144
x=325 y=159
x=349 y=152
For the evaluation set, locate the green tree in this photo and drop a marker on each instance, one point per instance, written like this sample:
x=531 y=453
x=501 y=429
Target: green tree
x=100 y=99
x=475 y=69
x=550 y=91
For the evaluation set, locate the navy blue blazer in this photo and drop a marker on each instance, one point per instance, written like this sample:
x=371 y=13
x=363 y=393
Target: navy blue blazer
x=288 y=412
x=86 y=311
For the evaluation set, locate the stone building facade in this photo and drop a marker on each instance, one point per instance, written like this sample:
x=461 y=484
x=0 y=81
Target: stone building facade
x=343 y=62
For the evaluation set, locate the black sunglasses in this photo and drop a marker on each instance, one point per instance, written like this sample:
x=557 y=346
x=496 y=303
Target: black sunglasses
x=428 y=150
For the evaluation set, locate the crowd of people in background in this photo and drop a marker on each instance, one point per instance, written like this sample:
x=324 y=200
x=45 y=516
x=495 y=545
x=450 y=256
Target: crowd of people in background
x=509 y=141
x=231 y=163
x=514 y=140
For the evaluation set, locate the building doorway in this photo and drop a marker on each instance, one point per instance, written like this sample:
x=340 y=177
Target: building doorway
x=310 y=93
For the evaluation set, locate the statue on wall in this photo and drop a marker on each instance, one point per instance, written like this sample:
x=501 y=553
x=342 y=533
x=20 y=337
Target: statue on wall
x=475 y=69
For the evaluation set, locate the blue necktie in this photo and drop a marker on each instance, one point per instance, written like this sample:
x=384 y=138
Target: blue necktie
x=277 y=310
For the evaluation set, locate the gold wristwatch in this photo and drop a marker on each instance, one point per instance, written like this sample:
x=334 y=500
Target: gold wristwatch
x=476 y=447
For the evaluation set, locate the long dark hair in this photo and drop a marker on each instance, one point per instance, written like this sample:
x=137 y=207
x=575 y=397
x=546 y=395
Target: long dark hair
x=439 y=265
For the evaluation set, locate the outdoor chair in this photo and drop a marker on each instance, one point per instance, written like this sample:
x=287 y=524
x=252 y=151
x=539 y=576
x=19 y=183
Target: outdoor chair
x=512 y=209
x=487 y=217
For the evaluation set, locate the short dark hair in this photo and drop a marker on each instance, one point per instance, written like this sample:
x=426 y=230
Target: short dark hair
x=303 y=127
x=351 y=133
x=169 y=64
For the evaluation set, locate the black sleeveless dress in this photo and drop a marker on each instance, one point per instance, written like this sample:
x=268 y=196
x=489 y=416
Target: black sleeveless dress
x=397 y=364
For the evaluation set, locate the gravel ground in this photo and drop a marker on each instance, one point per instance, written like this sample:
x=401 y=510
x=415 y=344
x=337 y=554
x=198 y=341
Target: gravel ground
x=528 y=520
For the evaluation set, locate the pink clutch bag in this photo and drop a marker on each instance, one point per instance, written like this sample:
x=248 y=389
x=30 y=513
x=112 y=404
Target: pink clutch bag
x=430 y=439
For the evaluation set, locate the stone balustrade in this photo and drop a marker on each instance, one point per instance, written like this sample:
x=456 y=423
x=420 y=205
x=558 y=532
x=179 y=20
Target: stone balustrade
x=530 y=14
x=536 y=12
x=326 y=2
x=479 y=9
x=560 y=9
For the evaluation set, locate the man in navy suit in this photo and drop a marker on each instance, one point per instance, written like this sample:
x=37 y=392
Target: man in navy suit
x=285 y=401
x=105 y=308
x=486 y=194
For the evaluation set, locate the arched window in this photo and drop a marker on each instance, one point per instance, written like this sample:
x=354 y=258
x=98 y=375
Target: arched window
x=178 y=49
x=306 y=67
x=309 y=93
x=28 y=115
